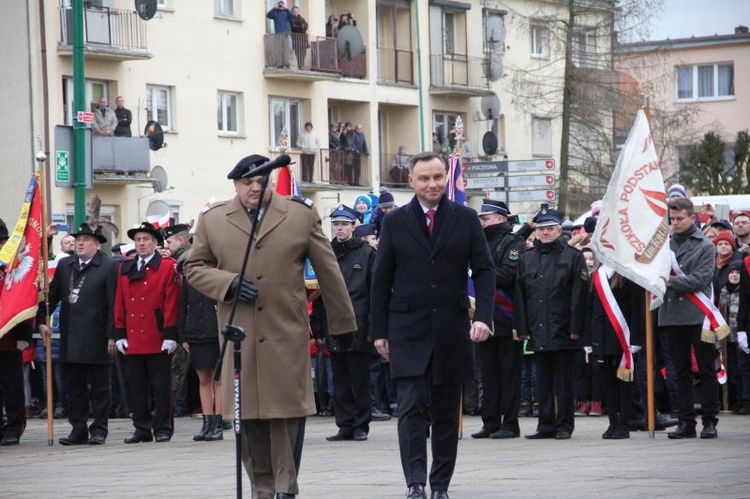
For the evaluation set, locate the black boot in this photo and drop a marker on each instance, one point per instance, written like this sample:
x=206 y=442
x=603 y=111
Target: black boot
x=201 y=435
x=613 y=423
x=214 y=428
x=621 y=432
x=709 y=428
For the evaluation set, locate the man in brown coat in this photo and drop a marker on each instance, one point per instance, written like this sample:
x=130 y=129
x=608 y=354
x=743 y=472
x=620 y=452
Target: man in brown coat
x=276 y=384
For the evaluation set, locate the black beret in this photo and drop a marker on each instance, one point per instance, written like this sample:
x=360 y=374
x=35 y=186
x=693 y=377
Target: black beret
x=245 y=164
x=170 y=231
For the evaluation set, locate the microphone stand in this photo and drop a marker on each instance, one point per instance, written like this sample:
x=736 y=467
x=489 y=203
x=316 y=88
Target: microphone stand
x=236 y=334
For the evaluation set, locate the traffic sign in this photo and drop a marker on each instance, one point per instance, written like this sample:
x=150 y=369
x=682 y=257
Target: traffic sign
x=531 y=165
x=516 y=166
x=531 y=180
x=85 y=117
x=62 y=166
x=486 y=167
x=507 y=182
x=484 y=182
x=522 y=196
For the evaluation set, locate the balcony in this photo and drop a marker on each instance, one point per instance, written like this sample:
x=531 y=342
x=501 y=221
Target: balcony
x=331 y=168
x=395 y=66
x=107 y=34
x=356 y=67
x=394 y=170
x=458 y=75
x=300 y=57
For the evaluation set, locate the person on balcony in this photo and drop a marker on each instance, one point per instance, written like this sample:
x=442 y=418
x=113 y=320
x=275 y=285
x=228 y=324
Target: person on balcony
x=124 y=119
x=346 y=140
x=282 y=17
x=105 y=120
x=400 y=167
x=334 y=157
x=299 y=36
x=360 y=147
x=309 y=143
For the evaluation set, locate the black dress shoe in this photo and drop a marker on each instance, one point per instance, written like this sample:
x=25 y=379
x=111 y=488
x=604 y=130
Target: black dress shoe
x=503 y=433
x=163 y=437
x=709 y=429
x=608 y=433
x=73 y=440
x=376 y=415
x=685 y=430
x=9 y=441
x=662 y=422
x=341 y=435
x=284 y=495
x=483 y=433
x=538 y=435
x=137 y=438
x=562 y=435
x=97 y=439
x=359 y=434
x=620 y=433
x=439 y=494
x=416 y=492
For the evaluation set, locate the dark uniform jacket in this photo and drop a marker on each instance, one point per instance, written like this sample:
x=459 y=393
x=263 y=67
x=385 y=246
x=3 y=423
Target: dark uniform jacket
x=357 y=261
x=420 y=299
x=198 y=322
x=551 y=294
x=146 y=304
x=505 y=248
x=600 y=334
x=86 y=325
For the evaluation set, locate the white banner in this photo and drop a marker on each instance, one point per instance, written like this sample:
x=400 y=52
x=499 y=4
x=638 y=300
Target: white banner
x=632 y=234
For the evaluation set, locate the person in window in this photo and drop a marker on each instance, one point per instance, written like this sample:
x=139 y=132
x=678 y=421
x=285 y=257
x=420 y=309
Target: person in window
x=105 y=120
x=400 y=167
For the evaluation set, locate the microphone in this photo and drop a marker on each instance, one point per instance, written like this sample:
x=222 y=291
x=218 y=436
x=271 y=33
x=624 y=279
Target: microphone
x=266 y=168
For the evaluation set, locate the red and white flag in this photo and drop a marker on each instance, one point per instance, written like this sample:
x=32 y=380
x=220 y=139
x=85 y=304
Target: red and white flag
x=20 y=270
x=632 y=234
x=159 y=221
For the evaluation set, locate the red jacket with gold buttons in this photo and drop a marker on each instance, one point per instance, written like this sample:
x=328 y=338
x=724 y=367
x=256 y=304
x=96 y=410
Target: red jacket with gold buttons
x=147 y=304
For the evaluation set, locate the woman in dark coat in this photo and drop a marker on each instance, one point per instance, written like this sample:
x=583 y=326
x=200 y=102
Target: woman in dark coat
x=607 y=348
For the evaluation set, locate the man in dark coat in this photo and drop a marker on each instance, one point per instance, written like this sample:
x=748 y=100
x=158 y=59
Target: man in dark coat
x=500 y=356
x=550 y=308
x=351 y=363
x=420 y=317
x=85 y=285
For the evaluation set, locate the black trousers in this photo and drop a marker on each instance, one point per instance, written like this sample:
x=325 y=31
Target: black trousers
x=11 y=388
x=500 y=361
x=679 y=341
x=308 y=166
x=351 y=390
x=555 y=373
x=151 y=375
x=618 y=394
x=78 y=378
x=420 y=401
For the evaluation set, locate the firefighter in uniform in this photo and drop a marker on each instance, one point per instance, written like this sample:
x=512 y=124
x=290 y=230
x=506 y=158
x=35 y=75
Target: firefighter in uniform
x=146 y=309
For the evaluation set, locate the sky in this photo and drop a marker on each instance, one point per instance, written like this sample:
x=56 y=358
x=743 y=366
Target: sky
x=686 y=18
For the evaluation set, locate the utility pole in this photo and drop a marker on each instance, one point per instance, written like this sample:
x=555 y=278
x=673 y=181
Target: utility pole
x=79 y=128
x=565 y=132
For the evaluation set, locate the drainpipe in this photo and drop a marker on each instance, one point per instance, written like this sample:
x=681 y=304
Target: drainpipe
x=419 y=79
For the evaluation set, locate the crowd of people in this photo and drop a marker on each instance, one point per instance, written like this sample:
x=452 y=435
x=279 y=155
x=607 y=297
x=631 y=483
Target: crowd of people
x=389 y=331
x=347 y=144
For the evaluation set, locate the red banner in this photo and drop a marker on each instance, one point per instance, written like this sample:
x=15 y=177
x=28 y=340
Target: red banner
x=20 y=279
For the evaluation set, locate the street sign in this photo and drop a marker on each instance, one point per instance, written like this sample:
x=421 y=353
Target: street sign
x=531 y=180
x=508 y=182
x=520 y=166
x=62 y=166
x=85 y=117
x=484 y=182
x=522 y=196
x=532 y=165
x=486 y=167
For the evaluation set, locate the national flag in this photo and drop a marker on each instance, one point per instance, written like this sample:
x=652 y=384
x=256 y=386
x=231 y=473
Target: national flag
x=159 y=221
x=455 y=189
x=207 y=204
x=285 y=183
x=632 y=234
x=20 y=275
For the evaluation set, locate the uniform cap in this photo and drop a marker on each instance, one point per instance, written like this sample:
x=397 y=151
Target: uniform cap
x=245 y=164
x=146 y=227
x=547 y=218
x=490 y=206
x=343 y=213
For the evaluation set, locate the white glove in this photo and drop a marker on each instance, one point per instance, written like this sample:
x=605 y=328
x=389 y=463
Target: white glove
x=634 y=349
x=588 y=350
x=122 y=345
x=169 y=346
x=22 y=345
x=742 y=341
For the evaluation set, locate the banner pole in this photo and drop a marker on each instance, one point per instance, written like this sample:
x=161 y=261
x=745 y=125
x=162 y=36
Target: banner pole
x=649 y=366
x=45 y=277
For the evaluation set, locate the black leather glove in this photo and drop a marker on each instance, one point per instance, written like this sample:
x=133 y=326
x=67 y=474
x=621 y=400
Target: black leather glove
x=248 y=291
x=345 y=341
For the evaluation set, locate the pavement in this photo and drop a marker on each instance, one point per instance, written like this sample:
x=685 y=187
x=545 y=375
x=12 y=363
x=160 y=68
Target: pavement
x=584 y=466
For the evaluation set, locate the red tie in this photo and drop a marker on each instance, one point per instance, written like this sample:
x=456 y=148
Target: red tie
x=431 y=217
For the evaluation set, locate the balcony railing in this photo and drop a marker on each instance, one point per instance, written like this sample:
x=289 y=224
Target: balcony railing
x=106 y=28
x=394 y=169
x=459 y=71
x=331 y=167
x=396 y=66
x=356 y=67
x=301 y=52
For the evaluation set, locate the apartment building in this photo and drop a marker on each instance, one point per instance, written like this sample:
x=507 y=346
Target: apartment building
x=222 y=84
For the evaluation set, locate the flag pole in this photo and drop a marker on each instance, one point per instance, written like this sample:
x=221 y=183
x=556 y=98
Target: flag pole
x=649 y=330
x=41 y=157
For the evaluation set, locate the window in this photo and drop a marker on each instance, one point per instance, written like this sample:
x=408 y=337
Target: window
x=159 y=105
x=95 y=90
x=541 y=136
x=584 y=48
x=162 y=4
x=285 y=121
x=539 y=41
x=705 y=82
x=449 y=34
x=228 y=113
x=442 y=125
x=494 y=31
x=224 y=8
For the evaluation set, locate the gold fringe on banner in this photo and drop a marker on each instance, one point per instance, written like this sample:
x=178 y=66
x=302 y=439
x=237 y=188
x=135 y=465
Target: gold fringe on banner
x=625 y=374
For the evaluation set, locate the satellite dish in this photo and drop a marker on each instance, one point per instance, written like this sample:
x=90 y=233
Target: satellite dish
x=489 y=143
x=491 y=106
x=159 y=176
x=494 y=67
x=349 y=42
x=158 y=208
x=495 y=29
x=155 y=135
x=146 y=9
